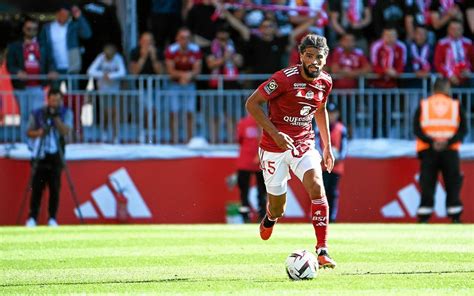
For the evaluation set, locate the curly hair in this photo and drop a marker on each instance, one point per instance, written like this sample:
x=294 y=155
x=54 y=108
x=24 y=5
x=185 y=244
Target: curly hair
x=313 y=40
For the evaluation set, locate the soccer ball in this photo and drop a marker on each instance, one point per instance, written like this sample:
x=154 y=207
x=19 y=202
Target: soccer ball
x=301 y=265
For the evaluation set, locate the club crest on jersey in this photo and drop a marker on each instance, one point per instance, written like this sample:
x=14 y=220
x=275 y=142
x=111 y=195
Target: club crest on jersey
x=320 y=95
x=299 y=85
x=270 y=87
x=309 y=95
x=305 y=110
x=318 y=86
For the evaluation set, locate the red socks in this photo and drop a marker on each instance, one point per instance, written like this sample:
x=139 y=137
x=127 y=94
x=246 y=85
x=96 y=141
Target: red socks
x=320 y=219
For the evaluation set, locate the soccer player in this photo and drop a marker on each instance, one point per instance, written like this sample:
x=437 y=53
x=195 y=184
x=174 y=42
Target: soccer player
x=294 y=96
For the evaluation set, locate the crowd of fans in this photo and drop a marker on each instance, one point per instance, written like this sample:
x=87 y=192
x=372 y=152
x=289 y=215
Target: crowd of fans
x=186 y=38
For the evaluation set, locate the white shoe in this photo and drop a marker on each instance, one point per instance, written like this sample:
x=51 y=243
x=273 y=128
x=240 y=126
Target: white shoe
x=31 y=222
x=52 y=222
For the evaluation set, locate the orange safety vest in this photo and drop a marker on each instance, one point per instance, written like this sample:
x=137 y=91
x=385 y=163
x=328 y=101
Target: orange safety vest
x=439 y=119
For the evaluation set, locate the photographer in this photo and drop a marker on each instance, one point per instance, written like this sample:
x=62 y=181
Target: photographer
x=47 y=128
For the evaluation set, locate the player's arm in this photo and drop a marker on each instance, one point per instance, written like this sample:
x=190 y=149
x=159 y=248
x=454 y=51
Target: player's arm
x=322 y=120
x=254 y=107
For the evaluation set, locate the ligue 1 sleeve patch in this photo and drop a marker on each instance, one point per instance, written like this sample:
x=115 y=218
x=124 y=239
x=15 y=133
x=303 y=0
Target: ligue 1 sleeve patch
x=271 y=86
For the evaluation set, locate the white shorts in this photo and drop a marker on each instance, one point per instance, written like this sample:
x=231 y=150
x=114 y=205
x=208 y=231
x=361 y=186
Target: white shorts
x=276 y=168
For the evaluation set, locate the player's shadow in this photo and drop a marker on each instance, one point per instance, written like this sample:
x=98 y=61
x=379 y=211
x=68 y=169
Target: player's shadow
x=407 y=272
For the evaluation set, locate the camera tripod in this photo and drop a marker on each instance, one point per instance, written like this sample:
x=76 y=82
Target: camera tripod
x=34 y=166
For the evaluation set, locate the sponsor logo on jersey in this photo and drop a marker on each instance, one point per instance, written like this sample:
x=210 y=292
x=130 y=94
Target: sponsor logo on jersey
x=305 y=110
x=299 y=85
x=309 y=95
x=271 y=86
x=300 y=121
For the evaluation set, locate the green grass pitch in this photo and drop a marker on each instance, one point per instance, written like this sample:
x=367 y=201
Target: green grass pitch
x=373 y=259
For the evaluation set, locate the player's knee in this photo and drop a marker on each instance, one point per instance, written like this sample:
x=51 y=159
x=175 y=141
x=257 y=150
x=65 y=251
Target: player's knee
x=316 y=191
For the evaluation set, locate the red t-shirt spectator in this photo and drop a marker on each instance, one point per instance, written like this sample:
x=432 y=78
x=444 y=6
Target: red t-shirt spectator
x=248 y=137
x=352 y=60
x=31 y=56
x=383 y=57
x=183 y=59
x=454 y=56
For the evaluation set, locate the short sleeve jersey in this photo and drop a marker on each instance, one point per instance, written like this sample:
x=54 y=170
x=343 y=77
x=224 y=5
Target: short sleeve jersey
x=184 y=60
x=292 y=102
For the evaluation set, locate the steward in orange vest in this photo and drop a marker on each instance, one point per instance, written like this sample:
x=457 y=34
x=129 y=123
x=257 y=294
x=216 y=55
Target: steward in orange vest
x=440 y=125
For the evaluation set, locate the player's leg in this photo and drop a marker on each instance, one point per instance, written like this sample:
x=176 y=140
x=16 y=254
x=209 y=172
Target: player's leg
x=37 y=187
x=329 y=182
x=450 y=168
x=276 y=174
x=275 y=209
x=54 y=184
x=428 y=177
x=261 y=194
x=243 y=181
x=308 y=170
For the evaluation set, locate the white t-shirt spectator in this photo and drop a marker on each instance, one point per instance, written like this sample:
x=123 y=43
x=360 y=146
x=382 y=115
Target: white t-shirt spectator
x=114 y=68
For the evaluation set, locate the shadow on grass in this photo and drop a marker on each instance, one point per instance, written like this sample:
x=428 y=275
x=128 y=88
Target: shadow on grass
x=195 y=280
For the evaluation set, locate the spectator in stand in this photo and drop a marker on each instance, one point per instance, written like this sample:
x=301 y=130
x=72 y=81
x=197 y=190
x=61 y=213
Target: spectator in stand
x=469 y=17
x=316 y=11
x=102 y=17
x=183 y=64
x=24 y=59
x=454 y=55
x=202 y=20
x=248 y=163
x=442 y=12
x=60 y=39
x=423 y=19
x=266 y=50
x=398 y=14
x=147 y=59
x=420 y=60
x=388 y=58
x=108 y=68
x=420 y=54
x=222 y=59
x=339 y=149
x=166 y=18
x=348 y=62
x=350 y=16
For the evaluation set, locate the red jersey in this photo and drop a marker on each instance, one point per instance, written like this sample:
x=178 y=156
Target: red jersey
x=292 y=101
x=383 y=57
x=248 y=136
x=31 y=56
x=454 y=56
x=184 y=60
x=353 y=60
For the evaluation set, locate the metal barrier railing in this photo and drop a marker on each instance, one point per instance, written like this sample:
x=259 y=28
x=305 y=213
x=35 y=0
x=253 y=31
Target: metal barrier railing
x=151 y=110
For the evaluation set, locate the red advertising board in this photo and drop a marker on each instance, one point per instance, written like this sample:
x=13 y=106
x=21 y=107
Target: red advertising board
x=194 y=190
